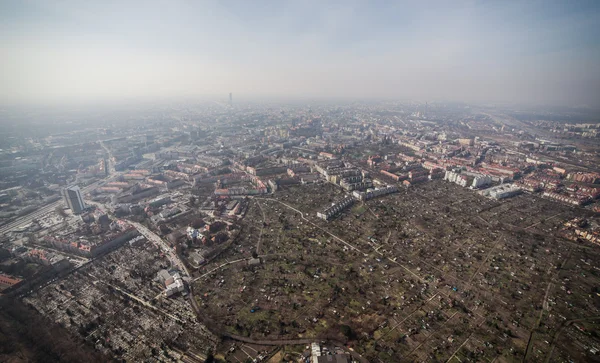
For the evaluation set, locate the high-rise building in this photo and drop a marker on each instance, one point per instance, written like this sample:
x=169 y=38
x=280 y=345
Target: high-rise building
x=73 y=198
x=230 y=98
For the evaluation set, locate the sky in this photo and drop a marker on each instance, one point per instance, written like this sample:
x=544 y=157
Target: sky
x=522 y=51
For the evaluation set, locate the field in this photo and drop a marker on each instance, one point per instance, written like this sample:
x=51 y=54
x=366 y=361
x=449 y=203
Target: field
x=435 y=272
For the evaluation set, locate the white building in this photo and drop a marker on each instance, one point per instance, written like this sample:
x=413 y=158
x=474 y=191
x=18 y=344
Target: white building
x=481 y=181
x=176 y=286
x=194 y=233
x=336 y=208
x=173 y=282
x=373 y=193
x=502 y=191
x=456 y=178
x=315 y=352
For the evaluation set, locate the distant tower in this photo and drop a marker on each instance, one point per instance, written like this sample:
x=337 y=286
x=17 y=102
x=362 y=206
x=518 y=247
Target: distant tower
x=426 y=105
x=230 y=98
x=73 y=198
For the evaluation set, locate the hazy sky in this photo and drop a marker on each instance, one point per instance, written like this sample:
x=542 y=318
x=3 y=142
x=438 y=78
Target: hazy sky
x=490 y=51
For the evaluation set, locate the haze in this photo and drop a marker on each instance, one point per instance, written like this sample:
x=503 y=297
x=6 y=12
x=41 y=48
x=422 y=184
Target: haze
x=537 y=52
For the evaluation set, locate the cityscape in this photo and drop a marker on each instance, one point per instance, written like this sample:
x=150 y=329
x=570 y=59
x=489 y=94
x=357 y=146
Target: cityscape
x=349 y=232
x=300 y=181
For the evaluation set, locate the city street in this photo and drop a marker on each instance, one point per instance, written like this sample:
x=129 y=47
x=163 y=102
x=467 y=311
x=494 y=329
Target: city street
x=160 y=243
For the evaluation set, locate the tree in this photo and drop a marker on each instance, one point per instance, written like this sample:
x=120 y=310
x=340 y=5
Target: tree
x=221 y=237
x=192 y=200
x=4 y=254
x=217 y=226
x=198 y=223
x=210 y=358
x=347 y=331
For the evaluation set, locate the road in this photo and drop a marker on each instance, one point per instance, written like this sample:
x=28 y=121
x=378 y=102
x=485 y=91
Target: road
x=161 y=244
x=110 y=159
x=459 y=348
x=264 y=220
x=26 y=219
x=544 y=220
x=559 y=332
x=484 y=262
x=43 y=210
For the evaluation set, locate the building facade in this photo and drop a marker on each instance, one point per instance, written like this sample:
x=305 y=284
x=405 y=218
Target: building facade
x=74 y=199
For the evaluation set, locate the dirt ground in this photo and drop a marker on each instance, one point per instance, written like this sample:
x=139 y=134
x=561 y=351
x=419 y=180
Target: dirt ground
x=433 y=272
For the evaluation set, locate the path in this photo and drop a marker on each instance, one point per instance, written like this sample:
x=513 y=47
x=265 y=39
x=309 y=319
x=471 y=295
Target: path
x=422 y=280
x=217 y=268
x=264 y=221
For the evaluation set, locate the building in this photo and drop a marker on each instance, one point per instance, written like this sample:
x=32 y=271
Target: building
x=73 y=199
x=315 y=352
x=254 y=261
x=502 y=191
x=456 y=177
x=175 y=286
x=481 y=181
x=197 y=258
x=391 y=175
x=352 y=183
x=59 y=262
x=336 y=208
x=172 y=281
x=466 y=141
x=90 y=247
x=309 y=178
x=573 y=198
x=194 y=233
x=160 y=201
x=134 y=196
x=590 y=178
x=8 y=280
x=373 y=193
